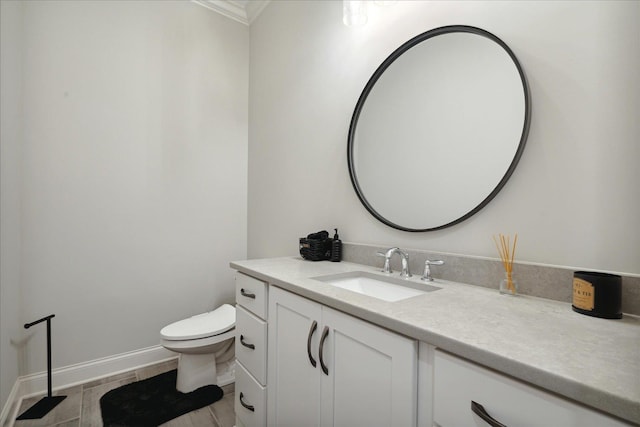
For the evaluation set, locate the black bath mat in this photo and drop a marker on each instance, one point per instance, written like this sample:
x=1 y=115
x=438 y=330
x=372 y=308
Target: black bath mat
x=153 y=401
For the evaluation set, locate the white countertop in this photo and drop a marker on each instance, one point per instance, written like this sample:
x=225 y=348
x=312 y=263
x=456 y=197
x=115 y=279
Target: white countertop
x=591 y=360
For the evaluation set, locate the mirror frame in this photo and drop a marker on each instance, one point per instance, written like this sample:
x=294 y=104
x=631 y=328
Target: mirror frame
x=371 y=83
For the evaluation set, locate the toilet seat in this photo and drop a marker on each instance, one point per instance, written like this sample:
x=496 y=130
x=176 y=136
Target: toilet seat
x=204 y=325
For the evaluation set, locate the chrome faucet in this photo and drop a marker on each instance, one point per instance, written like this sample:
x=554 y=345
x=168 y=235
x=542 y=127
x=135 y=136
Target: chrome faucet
x=426 y=276
x=404 y=258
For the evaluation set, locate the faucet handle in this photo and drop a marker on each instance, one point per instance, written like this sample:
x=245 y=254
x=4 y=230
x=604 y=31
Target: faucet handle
x=404 y=257
x=426 y=276
x=387 y=265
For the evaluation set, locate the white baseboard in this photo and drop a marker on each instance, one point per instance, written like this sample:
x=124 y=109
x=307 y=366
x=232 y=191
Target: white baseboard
x=88 y=371
x=67 y=376
x=10 y=409
x=226 y=373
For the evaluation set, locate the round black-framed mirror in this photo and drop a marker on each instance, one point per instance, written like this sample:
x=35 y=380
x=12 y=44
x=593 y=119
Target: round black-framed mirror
x=448 y=111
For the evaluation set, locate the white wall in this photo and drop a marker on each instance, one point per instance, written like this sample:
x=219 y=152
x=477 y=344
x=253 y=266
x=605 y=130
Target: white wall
x=10 y=158
x=574 y=198
x=134 y=171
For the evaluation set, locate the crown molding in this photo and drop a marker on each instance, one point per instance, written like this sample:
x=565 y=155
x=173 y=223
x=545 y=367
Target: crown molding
x=243 y=11
x=255 y=8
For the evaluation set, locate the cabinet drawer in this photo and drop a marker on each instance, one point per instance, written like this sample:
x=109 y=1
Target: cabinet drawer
x=251 y=343
x=252 y=294
x=458 y=382
x=250 y=399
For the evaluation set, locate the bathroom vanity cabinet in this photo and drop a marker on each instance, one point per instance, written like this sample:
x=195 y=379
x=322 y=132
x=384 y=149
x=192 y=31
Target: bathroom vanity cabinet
x=328 y=368
x=251 y=351
x=465 y=393
x=310 y=354
x=324 y=367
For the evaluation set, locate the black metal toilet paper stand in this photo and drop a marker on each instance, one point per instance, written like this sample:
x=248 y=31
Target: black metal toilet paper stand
x=47 y=403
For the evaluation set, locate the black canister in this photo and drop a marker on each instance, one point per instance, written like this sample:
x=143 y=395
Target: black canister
x=597 y=294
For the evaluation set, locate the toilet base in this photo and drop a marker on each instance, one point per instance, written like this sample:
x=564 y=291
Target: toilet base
x=195 y=371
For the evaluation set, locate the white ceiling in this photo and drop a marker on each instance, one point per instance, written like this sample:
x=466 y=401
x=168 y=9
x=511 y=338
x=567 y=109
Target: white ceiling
x=244 y=11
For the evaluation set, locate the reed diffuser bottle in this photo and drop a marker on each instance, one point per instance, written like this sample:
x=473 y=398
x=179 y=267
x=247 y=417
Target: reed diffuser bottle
x=508 y=285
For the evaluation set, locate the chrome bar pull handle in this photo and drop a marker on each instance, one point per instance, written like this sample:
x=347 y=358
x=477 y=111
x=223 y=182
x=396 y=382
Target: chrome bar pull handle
x=313 y=328
x=325 y=334
x=247 y=294
x=242 y=341
x=479 y=410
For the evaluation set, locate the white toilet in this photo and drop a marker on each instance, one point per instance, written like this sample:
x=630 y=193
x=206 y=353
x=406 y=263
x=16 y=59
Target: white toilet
x=203 y=341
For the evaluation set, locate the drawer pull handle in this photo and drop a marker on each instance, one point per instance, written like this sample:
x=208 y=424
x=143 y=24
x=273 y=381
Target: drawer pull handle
x=249 y=407
x=325 y=333
x=313 y=328
x=247 y=294
x=251 y=346
x=479 y=410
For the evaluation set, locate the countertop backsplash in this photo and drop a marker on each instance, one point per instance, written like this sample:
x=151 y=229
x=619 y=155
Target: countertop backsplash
x=551 y=282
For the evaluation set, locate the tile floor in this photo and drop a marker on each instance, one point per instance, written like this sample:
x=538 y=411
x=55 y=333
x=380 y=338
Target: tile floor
x=82 y=405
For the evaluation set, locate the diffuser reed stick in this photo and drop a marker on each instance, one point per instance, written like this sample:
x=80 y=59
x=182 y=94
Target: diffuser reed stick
x=507 y=254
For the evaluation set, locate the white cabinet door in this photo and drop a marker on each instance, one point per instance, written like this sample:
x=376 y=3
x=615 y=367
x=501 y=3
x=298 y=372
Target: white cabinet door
x=458 y=383
x=371 y=377
x=293 y=394
x=363 y=375
x=250 y=399
x=251 y=344
x=251 y=293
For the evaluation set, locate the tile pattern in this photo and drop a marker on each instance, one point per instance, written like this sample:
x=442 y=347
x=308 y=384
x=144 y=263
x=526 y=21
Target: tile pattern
x=81 y=408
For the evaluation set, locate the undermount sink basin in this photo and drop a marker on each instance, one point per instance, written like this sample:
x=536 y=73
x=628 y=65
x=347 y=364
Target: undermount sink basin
x=374 y=285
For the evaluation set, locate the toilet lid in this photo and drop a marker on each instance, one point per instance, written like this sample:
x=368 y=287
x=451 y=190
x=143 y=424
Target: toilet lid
x=203 y=325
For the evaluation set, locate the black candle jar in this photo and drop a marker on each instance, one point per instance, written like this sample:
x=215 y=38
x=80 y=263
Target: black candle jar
x=597 y=294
